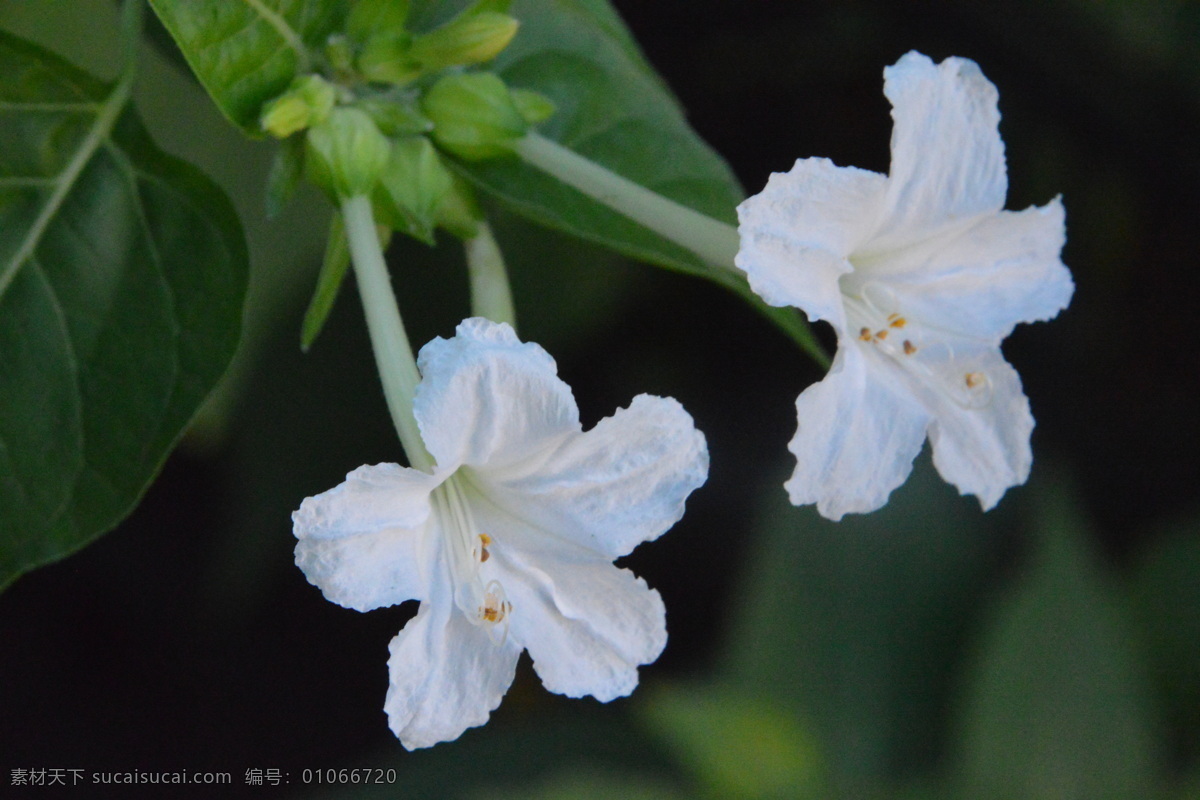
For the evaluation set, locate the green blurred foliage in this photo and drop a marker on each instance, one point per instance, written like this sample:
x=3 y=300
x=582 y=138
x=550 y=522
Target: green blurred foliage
x=734 y=744
x=1055 y=704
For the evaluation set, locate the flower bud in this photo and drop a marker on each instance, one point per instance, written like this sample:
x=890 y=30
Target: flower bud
x=307 y=101
x=474 y=116
x=387 y=58
x=470 y=38
x=459 y=212
x=371 y=17
x=346 y=153
x=412 y=187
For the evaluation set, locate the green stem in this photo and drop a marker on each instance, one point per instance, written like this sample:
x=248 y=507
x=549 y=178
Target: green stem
x=393 y=354
x=491 y=296
x=106 y=117
x=714 y=241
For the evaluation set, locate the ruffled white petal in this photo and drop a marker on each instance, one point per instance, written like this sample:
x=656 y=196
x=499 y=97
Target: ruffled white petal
x=485 y=398
x=444 y=674
x=587 y=624
x=983 y=449
x=858 y=431
x=947 y=155
x=371 y=498
x=622 y=483
x=981 y=282
x=797 y=234
x=370 y=570
x=361 y=542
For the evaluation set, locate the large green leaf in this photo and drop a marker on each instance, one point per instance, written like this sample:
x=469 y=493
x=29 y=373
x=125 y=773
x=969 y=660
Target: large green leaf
x=122 y=274
x=246 y=52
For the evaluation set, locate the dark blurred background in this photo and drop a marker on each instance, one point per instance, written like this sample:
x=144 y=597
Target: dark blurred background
x=187 y=639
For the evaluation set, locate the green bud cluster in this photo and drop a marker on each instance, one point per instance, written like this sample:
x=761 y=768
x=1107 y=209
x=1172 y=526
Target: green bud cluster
x=369 y=124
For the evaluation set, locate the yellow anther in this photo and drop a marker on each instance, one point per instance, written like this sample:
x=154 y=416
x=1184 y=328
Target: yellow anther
x=495 y=612
x=974 y=379
x=881 y=334
x=865 y=334
x=896 y=321
x=909 y=348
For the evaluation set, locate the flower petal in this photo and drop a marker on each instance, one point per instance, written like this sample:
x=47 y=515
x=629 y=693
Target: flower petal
x=361 y=542
x=983 y=449
x=622 y=483
x=370 y=499
x=445 y=674
x=371 y=570
x=947 y=155
x=797 y=233
x=858 y=431
x=588 y=627
x=486 y=398
x=1003 y=270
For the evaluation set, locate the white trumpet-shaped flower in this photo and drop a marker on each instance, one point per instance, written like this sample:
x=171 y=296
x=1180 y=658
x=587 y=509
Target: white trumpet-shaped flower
x=509 y=542
x=922 y=274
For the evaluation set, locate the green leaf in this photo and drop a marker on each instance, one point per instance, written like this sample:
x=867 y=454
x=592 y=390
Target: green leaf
x=329 y=282
x=1055 y=706
x=615 y=110
x=122 y=275
x=246 y=52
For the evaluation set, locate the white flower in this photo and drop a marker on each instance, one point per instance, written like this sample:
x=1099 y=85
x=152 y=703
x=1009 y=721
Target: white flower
x=922 y=275
x=509 y=543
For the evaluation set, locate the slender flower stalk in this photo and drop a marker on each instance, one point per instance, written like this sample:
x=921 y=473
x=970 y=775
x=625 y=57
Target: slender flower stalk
x=393 y=354
x=491 y=297
x=714 y=241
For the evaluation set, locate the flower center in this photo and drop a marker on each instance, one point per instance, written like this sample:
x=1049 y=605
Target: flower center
x=483 y=603
x=875 y=318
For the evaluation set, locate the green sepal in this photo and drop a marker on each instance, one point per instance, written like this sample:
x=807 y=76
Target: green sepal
x=534 y=106
x=287 y=169
x=474 y=116
x=329 y=282
x=412 y=187
x=387 y=58
x=459 y=212
x=396 y=118
x=346 y=153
